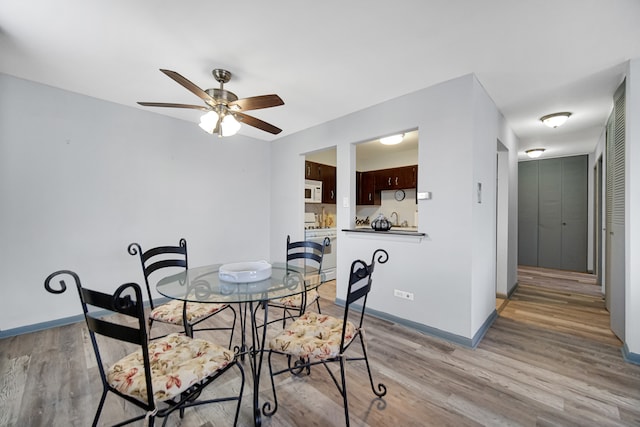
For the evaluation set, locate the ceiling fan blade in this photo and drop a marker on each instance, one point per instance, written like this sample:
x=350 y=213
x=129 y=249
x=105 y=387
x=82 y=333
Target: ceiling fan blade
x=257 y=123
x=167 y=104
x=190 y=86
x=257 y=102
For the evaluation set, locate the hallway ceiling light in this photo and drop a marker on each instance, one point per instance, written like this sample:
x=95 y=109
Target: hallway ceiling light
x=556 y=119
x=535 y=152
x=392 y=140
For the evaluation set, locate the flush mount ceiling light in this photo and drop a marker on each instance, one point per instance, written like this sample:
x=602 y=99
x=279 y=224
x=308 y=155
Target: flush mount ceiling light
x=392 y=140
x=535 y=152
x=556 y=119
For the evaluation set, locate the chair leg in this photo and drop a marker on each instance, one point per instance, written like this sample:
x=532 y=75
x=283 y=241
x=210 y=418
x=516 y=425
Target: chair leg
x=318 y=304
x=382 y=389
x=344 y=391
x=100 y=405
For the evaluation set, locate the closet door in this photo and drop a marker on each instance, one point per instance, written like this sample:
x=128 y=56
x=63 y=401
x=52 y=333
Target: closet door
x=528 y=213
x=574 y=213
x=615 y=222
x=550 y=213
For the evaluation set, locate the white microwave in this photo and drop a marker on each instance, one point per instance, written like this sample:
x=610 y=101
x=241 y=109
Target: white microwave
x=312 y=191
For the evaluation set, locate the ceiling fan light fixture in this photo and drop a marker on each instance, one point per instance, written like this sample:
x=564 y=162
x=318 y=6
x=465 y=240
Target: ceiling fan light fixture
x=229 y=125
x=534 y=153
x=208 y=121
x=392 y=140
x=556 y=119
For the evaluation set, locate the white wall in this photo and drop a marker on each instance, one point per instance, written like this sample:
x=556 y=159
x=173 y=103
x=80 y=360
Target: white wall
x=81 y=178
x=452 y=271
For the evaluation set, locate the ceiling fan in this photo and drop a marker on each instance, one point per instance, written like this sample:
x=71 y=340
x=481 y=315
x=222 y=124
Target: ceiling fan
x=224 y=109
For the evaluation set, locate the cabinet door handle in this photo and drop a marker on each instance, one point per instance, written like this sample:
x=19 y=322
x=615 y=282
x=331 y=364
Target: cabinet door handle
x=308 y=170
x=369 y=196
x=396 y=180
x=389 y=180
x=332 y=195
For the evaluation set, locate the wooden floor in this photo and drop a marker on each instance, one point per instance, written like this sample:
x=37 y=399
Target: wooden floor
x=548 y=360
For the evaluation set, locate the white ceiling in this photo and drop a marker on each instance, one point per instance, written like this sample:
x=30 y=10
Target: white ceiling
x=330 y=58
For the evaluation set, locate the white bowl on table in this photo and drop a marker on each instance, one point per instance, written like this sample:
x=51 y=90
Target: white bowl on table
x=245 y=272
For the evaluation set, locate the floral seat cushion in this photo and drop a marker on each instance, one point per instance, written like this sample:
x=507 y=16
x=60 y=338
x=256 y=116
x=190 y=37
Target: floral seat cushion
x=313 y=336
x=171 y=312
x=296 y=300
x=177 y=363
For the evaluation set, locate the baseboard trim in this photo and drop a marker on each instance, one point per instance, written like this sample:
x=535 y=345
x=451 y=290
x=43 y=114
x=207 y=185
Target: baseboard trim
x=428 y=330
x=629 y=356
x=512 y=290
x=41 y=326
x=61 y=322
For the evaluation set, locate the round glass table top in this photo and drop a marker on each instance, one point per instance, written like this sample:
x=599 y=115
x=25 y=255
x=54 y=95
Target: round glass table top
x=202 y=284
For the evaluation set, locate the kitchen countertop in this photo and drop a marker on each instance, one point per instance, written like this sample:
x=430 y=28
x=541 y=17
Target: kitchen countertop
x=396 y=231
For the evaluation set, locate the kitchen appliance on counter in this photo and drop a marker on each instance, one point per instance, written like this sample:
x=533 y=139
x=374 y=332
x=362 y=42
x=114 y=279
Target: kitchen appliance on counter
x=329 y=261
x=310 y=220
x=312 y=191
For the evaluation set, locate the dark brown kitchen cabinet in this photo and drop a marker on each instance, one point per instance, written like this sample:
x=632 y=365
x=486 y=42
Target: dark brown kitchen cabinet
x=366 y=193
x=326 y=174
x=396 y=178
x=328 y=178
x=312 y=170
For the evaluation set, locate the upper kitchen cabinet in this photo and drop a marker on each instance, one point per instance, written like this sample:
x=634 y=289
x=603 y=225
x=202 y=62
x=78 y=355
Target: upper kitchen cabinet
x=312 y=170
x=320 y=166
x=366 y=189
x=328 y=178
x=396 y=178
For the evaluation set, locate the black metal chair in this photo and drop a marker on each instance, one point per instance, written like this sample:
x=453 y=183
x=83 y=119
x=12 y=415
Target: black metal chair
x=187 y=314
x=160 y=377
x=307 y=256
x=321 y=339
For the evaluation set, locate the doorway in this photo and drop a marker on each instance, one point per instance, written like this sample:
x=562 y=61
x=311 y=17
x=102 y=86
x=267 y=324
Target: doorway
x=502 y=221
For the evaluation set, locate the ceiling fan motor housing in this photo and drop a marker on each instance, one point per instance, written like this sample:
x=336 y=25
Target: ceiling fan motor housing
x=222 y=96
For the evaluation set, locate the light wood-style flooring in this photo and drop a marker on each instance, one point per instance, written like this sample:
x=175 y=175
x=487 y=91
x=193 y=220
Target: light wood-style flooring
x=548 y=360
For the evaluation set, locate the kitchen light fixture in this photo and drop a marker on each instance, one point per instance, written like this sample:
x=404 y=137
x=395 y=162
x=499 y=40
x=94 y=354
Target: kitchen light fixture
x=556 y=119
x=535 y=152
x=392 y=140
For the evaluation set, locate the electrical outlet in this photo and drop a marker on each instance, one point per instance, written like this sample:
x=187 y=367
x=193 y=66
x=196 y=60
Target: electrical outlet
x=403 y=294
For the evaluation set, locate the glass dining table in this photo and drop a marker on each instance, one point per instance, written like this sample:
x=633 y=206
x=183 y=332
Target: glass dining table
x=203 y=284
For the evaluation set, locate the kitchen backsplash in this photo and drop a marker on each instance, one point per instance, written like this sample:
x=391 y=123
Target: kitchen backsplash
x=406 y=209
x=326 y=213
